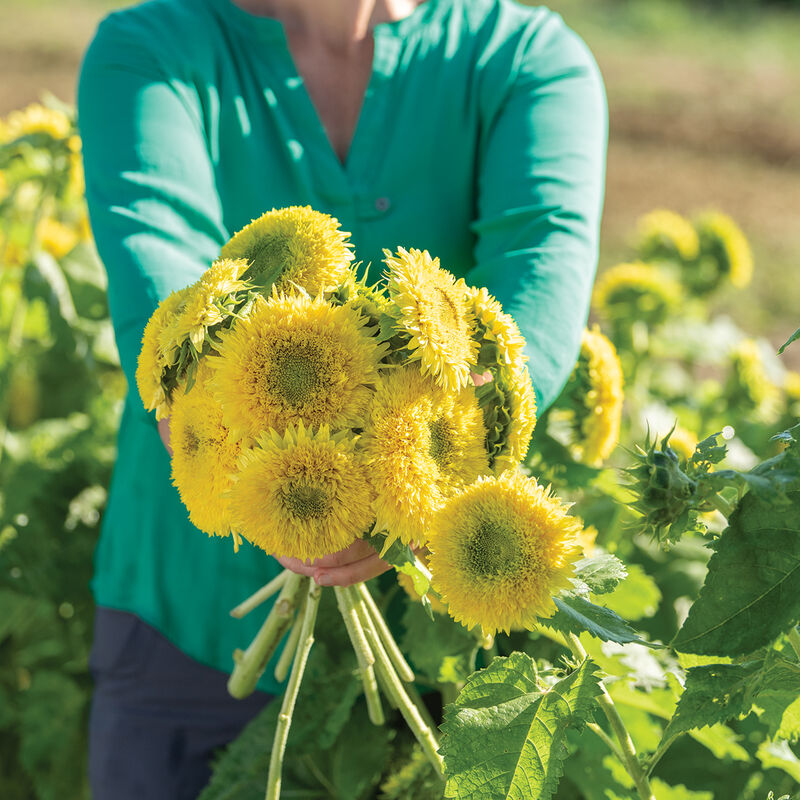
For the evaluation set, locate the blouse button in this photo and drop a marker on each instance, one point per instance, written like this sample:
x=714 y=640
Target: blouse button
x=382 y=204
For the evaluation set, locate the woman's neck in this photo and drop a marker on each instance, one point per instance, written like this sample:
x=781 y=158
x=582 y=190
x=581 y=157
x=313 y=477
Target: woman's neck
x=336 y=24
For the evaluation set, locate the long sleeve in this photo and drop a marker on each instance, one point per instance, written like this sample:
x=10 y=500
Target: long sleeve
x=153 y=205
x=540 y=194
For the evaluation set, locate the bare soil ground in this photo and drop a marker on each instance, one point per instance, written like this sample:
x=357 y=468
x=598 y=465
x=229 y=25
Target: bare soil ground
x=702 y=115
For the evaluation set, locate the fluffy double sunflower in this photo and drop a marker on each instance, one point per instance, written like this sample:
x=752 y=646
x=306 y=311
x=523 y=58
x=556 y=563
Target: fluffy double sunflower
x=595 y=393
x=152 y=360
x=509 y=413
x=498 y=334
x=626 y=293
x=207 y=302
x=431 y=308
x=304 y=494
x=293 y=359
x=666 y=235
x=724 y=253
x=422 y=444
x=33 y=119
x=500 y=550
x=293 y=247
x=204 y=454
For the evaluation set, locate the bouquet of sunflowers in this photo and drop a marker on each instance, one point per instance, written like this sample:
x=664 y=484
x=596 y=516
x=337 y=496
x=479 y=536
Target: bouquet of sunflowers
x=309 y=409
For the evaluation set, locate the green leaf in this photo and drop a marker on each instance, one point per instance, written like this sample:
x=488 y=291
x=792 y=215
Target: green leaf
x=575 y=615
x=663 y=791
x=713 y=694
x=601 y=573
x=637 y=597
x=504 y=738
x=779 y=755
x=403 y=559
x=442 y=651
x=793 y=338
x=752 y=590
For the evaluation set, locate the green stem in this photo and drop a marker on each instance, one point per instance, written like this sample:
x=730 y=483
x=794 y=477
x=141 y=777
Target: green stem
x=400 y=664
x=250 y=664
x=725 y=507
x=264 y=593
x=612 y=745
x=292 y=690
x=627 y=750
x=364 y=654
x=286 y=658
x=399 y=697
x=794 y=641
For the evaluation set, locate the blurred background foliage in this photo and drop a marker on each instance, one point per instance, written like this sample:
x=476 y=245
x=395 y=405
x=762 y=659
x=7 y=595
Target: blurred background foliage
x=705 y=111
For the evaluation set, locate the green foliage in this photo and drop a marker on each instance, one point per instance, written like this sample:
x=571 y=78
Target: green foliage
x=440 y=653
x=752 y=593
x=60 y=387
x=506 y=738
x=575 y=614
x=600 y=574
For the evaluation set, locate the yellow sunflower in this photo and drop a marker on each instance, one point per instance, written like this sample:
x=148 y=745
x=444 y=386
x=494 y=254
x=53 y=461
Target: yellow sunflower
x=421 y=444
x=724 y=253
x=596 y=392
x=637 y=291
x=665 y=235
x=292 y=360
x=205 y=455
x=303 y=494
x=208 y=302
x=496 y=329
x=152 y=362
x=56 y=238
x=509 y=415
x=500 y=550
x=32 y=119
x=433 y=310
x=294 y=246
x=749 y=386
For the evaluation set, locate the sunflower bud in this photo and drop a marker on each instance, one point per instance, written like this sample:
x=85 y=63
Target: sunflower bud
x=665 y=495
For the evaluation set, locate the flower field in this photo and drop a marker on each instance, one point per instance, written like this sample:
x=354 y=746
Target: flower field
x=637 y=639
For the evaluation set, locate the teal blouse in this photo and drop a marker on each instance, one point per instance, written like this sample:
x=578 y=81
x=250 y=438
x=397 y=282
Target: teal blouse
x=481 y=138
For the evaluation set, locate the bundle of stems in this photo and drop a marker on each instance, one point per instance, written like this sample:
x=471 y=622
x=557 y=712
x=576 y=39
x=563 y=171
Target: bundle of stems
x=381 y=665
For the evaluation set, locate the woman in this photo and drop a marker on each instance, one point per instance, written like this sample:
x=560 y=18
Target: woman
x=472 y=128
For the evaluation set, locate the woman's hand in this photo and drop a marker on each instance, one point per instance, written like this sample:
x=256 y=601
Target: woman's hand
x=479 y=380
x=357 y=563
x=163 y=432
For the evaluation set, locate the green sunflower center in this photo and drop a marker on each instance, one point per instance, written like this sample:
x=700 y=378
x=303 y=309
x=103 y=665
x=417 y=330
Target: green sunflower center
x=442 y=444
x=307 y=502
x=296 y=374
x=268 y=256
x=493 y=549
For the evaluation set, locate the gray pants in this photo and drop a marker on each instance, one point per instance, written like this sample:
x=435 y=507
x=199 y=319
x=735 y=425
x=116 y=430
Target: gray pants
x=157 y=715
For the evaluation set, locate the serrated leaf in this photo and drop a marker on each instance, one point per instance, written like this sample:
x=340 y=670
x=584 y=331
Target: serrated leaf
x=793 y=338
x=637 y=597
x=602 y=573
x=505 y=739
x=752 y=590
x=713 y=694
x=779 y=755
x=575 y=615
x=442 y=651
